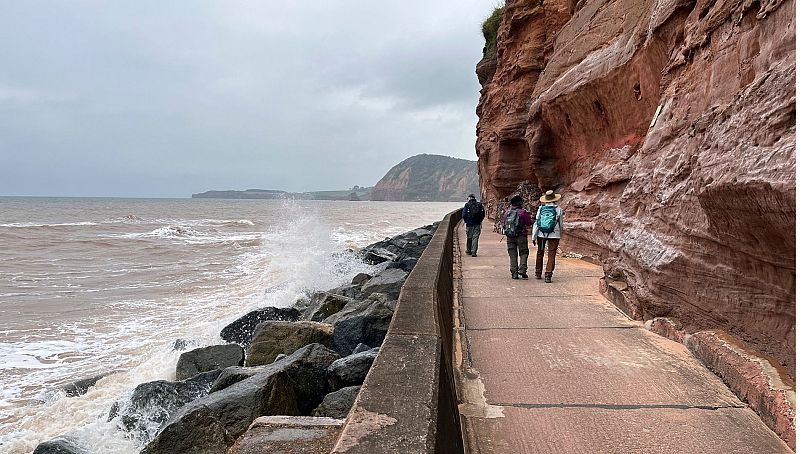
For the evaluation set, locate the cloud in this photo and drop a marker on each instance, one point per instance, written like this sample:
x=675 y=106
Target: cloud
x=188 y=95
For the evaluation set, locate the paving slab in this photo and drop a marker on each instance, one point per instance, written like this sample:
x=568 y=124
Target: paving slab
x=557 y=368
x=624 y=431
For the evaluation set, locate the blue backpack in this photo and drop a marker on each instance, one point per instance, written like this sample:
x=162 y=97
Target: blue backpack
x=547 y=219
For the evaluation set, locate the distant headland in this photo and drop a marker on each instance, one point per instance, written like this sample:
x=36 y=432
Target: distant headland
x=421 y=178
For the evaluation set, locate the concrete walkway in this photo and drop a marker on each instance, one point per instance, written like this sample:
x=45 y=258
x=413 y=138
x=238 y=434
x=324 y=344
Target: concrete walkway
x=556 y=368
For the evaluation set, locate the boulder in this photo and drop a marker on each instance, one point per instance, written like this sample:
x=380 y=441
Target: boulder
x=80 y=387
x=323 y=305
x=388 y=282
x=241 y=330
x=233 y=375
x=289 y=434
x=378 y=254
x=351 y=370
x=360 y=348
x=209 y=425
x=273 y=338
x=152 y=403
x=367 y=327
x=209 y=358
x=338 y=403
x=423 y=231
x=60 y=445
x=360 y=279
x=181 y=344
x=405 y=264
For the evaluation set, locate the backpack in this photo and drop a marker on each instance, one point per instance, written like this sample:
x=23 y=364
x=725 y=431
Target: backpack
x=513 y=225
x=547 y=219
x=475 y=212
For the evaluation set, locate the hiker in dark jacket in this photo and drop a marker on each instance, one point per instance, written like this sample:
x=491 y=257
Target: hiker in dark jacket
x=549 y=235
x=517 y=232
x=473 y=215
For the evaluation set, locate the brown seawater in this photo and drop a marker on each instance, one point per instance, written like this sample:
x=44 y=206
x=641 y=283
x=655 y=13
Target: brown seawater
x=90 y=286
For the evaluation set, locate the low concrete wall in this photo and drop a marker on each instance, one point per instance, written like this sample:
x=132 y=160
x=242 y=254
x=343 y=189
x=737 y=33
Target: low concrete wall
x=408 y=402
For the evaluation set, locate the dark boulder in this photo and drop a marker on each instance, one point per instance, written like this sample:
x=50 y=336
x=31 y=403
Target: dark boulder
x=152 y=403
x=368 y=327
x=388 y=282
x=241 y=330
x=406 y=264
x=323 y=305
x=351 y=370
x=377 y=254
x=80 y=387
x=360 y=348
x=360 y=278
x=274 y=338
x=209 y=358
x=233 y=375
x=181 y=344
x=60 y=445
x=338 y=403
x=209 y=425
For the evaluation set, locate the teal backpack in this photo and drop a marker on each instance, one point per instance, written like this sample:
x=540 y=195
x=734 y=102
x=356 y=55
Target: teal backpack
x=547 y=219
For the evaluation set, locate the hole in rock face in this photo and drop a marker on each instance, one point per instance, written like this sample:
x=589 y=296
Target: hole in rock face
x=637 y=91
x=569 y=122
x=599 y=106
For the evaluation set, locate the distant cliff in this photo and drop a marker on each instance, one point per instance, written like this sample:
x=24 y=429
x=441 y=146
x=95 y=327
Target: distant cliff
x=355 y=194
x=428 y=177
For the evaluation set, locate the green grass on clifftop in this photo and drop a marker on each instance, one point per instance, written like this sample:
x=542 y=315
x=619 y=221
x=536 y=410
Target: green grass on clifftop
x=489 y=29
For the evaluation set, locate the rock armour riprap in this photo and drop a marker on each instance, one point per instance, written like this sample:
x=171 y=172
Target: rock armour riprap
x=274 y=338
x=696 y=214
x=209 y=358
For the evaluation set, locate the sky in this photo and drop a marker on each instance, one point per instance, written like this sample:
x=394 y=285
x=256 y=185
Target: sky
x=168 y=98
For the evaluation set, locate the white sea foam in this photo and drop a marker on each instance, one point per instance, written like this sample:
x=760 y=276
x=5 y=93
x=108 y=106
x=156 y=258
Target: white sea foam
x=228 y=267
x=22 y=225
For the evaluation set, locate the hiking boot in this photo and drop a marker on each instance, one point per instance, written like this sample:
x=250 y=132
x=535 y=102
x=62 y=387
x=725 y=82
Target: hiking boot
x=523 y=275
x=468 y=252
x=548 y=277
x=514 y=276
x=474 y=254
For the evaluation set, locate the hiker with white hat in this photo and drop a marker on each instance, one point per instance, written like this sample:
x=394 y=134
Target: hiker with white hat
x=547 y=230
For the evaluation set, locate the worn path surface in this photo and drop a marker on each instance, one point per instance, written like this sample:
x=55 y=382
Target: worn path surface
x=556 y=368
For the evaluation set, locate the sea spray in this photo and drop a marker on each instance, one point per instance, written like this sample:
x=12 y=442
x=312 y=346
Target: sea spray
x=165 y=288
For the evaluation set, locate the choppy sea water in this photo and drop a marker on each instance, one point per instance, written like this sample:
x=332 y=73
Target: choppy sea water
x=89 y=286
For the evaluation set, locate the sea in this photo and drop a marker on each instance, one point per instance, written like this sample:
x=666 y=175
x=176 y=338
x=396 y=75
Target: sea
x=93 y=286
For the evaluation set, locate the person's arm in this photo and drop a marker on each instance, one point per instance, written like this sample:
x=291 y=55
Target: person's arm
x=526 y=218
x=465 y=211
x=536 y=227
x=560 y=220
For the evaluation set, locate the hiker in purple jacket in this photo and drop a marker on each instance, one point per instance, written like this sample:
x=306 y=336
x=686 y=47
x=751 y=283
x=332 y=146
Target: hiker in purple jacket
x=515 y=227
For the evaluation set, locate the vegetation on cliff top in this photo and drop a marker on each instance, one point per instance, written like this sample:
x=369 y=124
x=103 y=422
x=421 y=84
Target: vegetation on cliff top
x=489 y=29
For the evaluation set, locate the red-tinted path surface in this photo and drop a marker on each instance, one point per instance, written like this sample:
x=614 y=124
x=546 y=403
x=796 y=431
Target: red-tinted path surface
x=555 y=367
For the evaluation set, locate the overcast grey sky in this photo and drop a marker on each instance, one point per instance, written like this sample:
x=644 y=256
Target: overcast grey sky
x=166 y=98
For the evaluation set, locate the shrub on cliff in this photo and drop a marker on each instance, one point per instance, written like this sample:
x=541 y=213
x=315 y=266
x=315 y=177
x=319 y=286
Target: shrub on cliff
x=489 y=29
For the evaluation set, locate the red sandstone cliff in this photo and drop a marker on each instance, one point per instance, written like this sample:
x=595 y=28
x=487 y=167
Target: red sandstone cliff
x=427 y=177
x=696 y=214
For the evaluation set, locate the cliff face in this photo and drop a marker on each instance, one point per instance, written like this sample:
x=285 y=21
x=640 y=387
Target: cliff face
x=428 y=178
x=696 y=214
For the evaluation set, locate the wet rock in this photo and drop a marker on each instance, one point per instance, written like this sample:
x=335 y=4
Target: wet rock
x=388 y=282
x=375 y=255
x=323 y=305
x=347 y=290
x=233 y=375
x=241 y=330
x=338 y=403
x=80 y=387
x=152 y=403
x=423 y=231
x=405 y=264
x=368 y=327
x=289 y=434
x=273 y=338
x=209 y=358
x=209 y=425
x=351 y=370
x=360 y=279
x=360 y=348
x=60 y=445
x=181 y=344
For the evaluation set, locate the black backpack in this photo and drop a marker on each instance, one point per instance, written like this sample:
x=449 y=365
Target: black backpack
x=513 y=224
x=476 y=212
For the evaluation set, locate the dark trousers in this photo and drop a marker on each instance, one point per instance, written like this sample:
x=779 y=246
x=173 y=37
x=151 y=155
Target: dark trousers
x=518 y=246
x=472 y=238
x=551 y=244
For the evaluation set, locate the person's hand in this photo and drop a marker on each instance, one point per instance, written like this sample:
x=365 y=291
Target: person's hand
x=534 y=242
